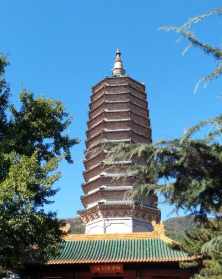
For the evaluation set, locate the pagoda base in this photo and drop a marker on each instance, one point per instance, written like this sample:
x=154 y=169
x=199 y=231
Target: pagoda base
x=122 y=217
x=117 y=225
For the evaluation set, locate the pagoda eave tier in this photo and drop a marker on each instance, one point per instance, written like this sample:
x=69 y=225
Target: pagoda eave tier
x=119 y=136
x=105 y=115
x=120 y=209
x=103 y=179
x=105 y=193
x=118 y=81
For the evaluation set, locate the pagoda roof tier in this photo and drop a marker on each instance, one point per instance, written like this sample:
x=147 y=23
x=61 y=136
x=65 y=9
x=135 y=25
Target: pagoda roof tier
x=117 y=111
x=94 y=153
x=118 y=117
x=119 y=135
x=105 y=193
x=113 y=104
x=105 y=130
x=101 y=143
x=101 y=164
x=112 y=175
x=97 y=154
x=113 y=171
x=109 y=188
x=118 y=81
x=108 y=120
x=111 y=124
x=106 y=92
x=106 y=111
x=120 y=98
x=104 y=180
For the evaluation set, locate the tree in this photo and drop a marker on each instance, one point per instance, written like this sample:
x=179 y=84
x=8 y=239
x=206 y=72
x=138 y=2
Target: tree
x=187 y=170
x=185 y=30
x=32 y=142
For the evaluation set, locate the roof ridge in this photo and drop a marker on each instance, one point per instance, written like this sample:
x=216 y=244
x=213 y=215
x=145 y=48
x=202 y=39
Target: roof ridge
x=157 y=233
x=118 y=236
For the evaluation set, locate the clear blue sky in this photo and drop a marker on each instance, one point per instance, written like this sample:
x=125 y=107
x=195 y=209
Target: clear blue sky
x=59 y=49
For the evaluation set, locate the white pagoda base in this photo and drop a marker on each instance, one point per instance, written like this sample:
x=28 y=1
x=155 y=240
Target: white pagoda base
x=119 y=217
x=117 y=225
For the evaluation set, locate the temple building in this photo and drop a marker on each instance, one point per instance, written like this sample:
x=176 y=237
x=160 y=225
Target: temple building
x=123 y=239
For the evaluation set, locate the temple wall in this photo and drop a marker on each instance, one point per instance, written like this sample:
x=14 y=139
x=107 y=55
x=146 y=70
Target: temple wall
x=130 y=271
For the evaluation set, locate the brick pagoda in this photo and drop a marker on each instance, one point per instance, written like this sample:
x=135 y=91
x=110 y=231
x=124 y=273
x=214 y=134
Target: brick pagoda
x=118 y=114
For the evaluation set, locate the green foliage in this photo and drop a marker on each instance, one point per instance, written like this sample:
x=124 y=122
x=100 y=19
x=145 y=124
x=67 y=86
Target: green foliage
x=176 y=227
x=206 y=239
x=185 y=30
x=4 y=93
x=32 y=142
x=204 y=185
x=187 y=172
x=27 y=233
x=39 y=125
x=77 y=226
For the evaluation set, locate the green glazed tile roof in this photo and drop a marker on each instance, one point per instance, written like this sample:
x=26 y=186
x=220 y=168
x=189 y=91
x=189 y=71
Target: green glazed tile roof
x=117 y=250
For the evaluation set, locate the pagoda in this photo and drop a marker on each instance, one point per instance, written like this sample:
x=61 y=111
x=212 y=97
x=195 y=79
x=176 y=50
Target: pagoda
x=118 y=113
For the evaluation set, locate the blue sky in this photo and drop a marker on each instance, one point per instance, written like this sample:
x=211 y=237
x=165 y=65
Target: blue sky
x=60 y=49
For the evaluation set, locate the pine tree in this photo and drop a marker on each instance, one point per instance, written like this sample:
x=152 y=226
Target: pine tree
x=187 y=172
x=186 y=31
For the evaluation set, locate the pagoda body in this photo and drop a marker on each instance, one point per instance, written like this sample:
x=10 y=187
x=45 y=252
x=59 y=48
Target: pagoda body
x=118 y=114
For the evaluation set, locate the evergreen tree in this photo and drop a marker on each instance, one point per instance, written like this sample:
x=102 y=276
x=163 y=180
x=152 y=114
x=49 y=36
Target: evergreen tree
x=187 y=32
x=32 y=142
x=187 y=170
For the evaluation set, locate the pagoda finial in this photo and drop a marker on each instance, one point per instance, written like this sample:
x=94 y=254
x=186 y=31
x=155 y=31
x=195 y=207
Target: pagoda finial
x=118 y=69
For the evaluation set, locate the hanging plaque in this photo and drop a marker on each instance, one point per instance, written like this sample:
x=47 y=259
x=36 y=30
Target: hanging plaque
x=106 y=268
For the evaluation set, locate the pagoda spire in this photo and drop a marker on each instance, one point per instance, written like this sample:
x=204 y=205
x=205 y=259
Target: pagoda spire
x=118 y=69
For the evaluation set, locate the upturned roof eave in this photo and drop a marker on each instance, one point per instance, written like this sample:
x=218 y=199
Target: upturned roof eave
x=149 y=260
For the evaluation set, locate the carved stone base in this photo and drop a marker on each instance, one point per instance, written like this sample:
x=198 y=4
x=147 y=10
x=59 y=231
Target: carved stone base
x=119 y=218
